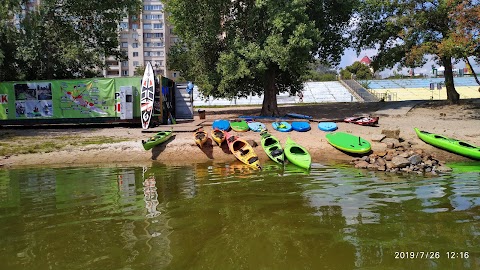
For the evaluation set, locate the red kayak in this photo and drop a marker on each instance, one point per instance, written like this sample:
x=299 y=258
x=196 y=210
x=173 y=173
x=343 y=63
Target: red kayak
x=362 y=120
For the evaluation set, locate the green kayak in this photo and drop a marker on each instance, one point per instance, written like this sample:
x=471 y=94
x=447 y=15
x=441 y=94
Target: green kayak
x=297 y=154
x=157 y=139
x=348 y=142
x=272 y=147
x=449 y=144
x=239 y=125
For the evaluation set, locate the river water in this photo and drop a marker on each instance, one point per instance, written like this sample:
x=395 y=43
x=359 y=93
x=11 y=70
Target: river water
x=224 y=216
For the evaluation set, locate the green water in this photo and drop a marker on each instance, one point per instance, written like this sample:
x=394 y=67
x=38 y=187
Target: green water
x=222 y=216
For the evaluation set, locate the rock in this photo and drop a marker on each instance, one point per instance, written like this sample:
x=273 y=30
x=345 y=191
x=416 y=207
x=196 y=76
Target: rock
x=372 y=167
x=377 y=137
x=404 y=154
x=366 y=158
x=390 y=145
x=415 y=159
x=391 y=140
x=389 y=165
x=362 y=165
x=400 y=162
x=443 y=169
x=391 y=133
x=381 y=153
x=382 y=168
x=380 y=162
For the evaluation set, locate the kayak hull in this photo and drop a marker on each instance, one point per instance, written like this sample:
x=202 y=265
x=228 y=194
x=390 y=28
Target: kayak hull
x=301 y=126
x=157 y=139
x=239 y=126
x=282 y=126
x=218 y=136
x=243 y=151
x=200 y=138
x=452 y=145
x=297 y=154
x=272 y=148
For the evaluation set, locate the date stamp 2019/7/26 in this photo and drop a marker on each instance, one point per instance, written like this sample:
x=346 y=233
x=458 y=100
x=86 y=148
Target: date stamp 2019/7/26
x=431 y=254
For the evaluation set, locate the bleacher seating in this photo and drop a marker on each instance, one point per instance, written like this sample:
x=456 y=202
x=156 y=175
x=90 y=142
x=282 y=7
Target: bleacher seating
x=419 y=89
x=314 y=92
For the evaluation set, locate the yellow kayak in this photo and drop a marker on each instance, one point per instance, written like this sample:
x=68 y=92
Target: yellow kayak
x=200 y=137
x=243 y=151
x=218 y=136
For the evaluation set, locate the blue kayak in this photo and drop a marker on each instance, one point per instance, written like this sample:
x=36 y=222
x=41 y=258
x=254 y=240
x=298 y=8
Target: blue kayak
x=300 y=116
x=327 y=126
x=282 y=126
x=301 y=126
x=256 y=126
x=221 y=124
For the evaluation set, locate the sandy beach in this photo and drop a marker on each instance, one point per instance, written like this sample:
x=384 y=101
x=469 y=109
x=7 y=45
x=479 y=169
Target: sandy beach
x=457 y=121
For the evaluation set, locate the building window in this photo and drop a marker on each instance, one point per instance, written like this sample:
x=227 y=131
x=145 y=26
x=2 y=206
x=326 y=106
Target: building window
x=145 y=53
x=158 y=35
x=135 y=63
x=158 y=26
x=124 y=44
x=174 y=74
x=135 y=45
x=135 y=54
x=123 y=25
x=135 y=36
x=147 y=26
x=133 y=17
x=134 y=26
x=152 y=16
x=124 y=72
x=158 y=44
x=159 y=63
x=124 y=35
x=125 y=64
x=147 y=35
x=152 y=7
x=147 y=44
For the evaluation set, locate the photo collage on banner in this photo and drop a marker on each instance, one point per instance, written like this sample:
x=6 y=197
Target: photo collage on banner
x=33 y=100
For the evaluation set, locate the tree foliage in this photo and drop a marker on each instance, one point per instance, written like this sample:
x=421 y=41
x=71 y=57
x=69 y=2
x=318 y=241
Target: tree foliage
x=359 y=70
x=60 y=39
x=406 y=31
x=237 y=48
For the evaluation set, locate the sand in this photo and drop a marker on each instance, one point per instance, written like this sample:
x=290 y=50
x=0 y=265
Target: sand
x=458 y=121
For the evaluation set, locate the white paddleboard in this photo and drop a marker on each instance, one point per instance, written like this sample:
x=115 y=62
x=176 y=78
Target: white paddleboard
x=147 y=96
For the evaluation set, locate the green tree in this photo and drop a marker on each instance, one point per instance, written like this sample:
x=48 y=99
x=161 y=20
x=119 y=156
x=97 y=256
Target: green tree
x=237 y=48
x=63 y=39
x=139 y=71
x=361 y=71
x=406 y=32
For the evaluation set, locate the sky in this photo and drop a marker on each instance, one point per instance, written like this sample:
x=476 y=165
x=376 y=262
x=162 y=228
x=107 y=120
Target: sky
x=350 y=56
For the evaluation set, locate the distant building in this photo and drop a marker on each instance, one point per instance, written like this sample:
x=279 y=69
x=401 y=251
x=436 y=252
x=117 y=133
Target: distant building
x=366 y=60
x=145 y=37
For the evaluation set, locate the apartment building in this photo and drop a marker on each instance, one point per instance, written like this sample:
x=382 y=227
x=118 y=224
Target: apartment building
x=145 y=37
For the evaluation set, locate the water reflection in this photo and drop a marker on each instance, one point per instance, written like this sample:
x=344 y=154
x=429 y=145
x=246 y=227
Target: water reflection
x=225 y=216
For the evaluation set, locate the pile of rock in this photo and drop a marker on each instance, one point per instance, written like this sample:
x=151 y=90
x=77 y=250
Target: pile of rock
x=401 y=157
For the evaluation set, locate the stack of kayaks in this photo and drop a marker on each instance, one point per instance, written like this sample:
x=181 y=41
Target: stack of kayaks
x=157 y=139
x=449 y=144
x=348 y=142
x=200 y=137
x=218 y=136
x=272 y=147
x=282 y=126
x=243 y=151
x=297 y=154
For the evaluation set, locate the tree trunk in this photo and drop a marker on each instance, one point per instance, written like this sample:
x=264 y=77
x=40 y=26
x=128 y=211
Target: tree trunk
x=270 y=107
x=452 y=94
x=473 y=71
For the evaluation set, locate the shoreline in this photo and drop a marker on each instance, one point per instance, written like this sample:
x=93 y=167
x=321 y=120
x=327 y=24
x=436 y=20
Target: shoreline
x=456 y=121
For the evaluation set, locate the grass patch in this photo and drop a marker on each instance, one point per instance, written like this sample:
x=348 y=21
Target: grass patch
x=35 y=144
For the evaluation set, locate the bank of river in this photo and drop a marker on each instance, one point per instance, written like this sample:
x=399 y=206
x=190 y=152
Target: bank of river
x=222 y=216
